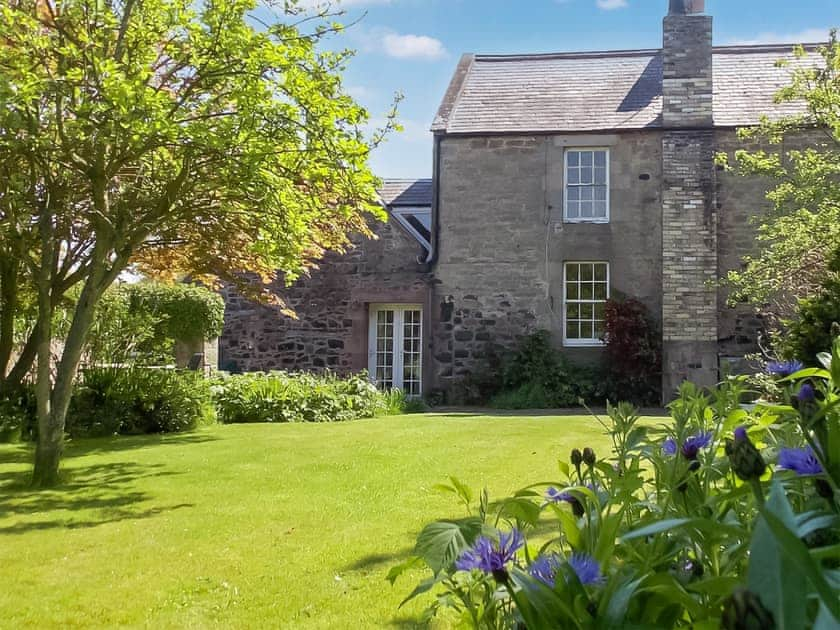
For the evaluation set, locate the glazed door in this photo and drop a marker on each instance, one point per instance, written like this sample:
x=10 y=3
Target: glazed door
x=395 y=352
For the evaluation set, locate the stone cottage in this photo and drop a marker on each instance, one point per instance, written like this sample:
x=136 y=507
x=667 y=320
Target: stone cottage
x=559 y=181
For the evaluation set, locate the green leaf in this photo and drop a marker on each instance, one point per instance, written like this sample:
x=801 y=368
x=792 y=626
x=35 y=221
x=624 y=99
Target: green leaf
x=796 y=554
x=568 y=523
x=397 y=570
x=540 y=606
x=440 y=543
x=521 y=510
x=424 y=587
x=618 y=603
x=772 y=576
x=825 y=360
x=462 y=490
x=674 y=524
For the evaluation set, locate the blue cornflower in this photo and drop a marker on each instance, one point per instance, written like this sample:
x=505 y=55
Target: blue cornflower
x=802 y=461
x=587 y=569
x=489 y=557
x=545 y=569
x=690 y=447
x=806 y=393
x=553 y=495
x=784 y=368
x=740 y=434
x=695 y=443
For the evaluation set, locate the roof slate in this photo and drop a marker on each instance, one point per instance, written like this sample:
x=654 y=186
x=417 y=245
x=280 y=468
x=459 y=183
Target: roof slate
x=601 y=91
x=406 y=192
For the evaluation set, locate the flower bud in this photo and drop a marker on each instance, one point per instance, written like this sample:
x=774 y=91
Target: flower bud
x=744 y=457
x=744 y=611
x=589 y=456
x=576 y=457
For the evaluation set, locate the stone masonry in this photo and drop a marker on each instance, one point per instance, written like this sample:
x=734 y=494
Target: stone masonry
x=689 y=223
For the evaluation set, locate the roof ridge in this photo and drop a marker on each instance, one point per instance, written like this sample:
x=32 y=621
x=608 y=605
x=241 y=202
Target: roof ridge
x=600 y=54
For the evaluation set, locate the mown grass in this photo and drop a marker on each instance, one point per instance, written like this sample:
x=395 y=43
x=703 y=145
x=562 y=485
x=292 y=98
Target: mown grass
x=291 y=526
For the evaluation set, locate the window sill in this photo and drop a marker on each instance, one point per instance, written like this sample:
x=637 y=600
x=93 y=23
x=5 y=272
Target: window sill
x=565 y=220
x=583 y=343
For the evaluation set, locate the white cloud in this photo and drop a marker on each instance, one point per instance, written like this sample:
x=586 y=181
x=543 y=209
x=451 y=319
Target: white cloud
x=609 y=5
x=809 y=35
x=412 y=46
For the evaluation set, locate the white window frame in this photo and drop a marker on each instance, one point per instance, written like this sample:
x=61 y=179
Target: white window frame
x=566 y=218
x=400 y=211
x=581 y=343
x=397 y=367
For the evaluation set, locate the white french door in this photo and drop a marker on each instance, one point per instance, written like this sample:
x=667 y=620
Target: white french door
x=395 y=347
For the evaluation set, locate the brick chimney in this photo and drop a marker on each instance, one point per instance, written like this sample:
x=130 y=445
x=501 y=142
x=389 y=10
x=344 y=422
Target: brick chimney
x=687 y=65
x=689 y=221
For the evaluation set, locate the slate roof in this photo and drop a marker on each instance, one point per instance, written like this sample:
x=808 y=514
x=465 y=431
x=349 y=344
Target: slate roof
x=599 y=91
x=406 y=192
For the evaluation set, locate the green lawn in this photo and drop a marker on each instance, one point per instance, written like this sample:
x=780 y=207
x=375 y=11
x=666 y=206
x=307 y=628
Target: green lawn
x=288 y=526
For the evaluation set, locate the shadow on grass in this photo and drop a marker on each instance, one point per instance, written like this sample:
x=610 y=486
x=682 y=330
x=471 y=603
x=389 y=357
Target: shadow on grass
x=379 y=560
x=23 y=453
x=103 y=492
x=413 y=623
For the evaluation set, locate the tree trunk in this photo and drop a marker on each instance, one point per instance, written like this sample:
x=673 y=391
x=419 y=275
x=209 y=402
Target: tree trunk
x=8 y=305
x=24 y=363
x=48 y=450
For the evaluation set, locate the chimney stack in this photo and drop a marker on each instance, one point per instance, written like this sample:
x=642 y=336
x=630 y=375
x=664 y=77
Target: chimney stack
x=687 y=66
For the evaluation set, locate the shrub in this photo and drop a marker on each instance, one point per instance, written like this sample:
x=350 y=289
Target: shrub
x=136 y=400
x=633 y=353
x=141 y=322
x=816 y=320
x=685 y=525
x=283 y=397
x=17 y=413
x=537 y=376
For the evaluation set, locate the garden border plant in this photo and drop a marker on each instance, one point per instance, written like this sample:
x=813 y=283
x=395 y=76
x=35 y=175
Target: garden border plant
x=685 y=525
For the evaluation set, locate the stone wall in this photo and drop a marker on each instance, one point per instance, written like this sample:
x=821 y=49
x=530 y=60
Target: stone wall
x=687 y=71
x=332 y=307
x=503 y=241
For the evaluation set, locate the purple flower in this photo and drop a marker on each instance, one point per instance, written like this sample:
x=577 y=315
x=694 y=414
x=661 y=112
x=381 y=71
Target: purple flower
x=690 y=447
x=741 y=434
x=545 y=569
x=784 y=368
x=485 y=555
x=587 y=569
x=802 y=461
x=553 y=495
x=693 y=445
x=806 y=393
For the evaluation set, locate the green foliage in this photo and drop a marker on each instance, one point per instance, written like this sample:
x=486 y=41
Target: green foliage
x=183 y=312
x=17 y=413
x=537 y=376
x=816 y=319
x=137 y=400
x=283 y=397
x=797 y=237
x=683 y=525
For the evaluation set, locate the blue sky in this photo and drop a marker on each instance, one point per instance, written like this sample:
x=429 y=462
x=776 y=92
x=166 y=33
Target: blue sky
x=412 y=46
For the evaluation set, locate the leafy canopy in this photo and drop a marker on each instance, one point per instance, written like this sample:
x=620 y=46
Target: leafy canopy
x=798 y=236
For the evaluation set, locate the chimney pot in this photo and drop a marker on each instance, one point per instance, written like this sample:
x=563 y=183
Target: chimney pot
x=686 y=7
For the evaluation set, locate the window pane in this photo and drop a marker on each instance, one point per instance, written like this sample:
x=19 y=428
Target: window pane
x=600 y=193
x=586 y=291
x=572 y=272
x=600 y=291
x=600 y=309
x=574 y=158
x=586 y=311
x=600 y=158
x=572 y=330
x=587 y=330
x=586 y=193
x=574 y=194
x=600 y=209
x=586 y=272
x=572 y=291
x=573 y=311
x=574 y=176
x=600 y=272
x=600 y=329
x=586 y=158
x=586 y=209
x=573 y=211
x=585 y=175
x=600 y=176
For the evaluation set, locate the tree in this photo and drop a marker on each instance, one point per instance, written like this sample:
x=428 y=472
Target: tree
x=177 y=137
x=798 y=237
